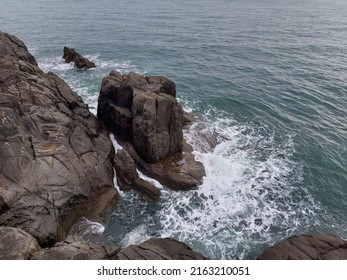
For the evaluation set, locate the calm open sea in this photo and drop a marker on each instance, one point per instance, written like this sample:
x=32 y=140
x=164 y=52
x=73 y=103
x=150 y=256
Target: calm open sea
x=270 y=76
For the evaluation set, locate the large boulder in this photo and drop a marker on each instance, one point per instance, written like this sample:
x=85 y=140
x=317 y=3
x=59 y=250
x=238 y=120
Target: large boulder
x=317 y=246
x=55 y=158
x=70 y=55
x=143 y=111
x=16 y=244
x=146 y=118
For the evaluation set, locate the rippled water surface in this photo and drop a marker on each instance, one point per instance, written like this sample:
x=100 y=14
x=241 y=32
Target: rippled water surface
x=269 y=77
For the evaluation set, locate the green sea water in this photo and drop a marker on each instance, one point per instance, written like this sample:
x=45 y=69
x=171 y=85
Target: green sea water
x=269 y=76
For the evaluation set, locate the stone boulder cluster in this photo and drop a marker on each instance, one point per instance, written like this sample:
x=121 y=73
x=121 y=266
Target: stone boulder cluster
x=57 y=162
x=56 y=165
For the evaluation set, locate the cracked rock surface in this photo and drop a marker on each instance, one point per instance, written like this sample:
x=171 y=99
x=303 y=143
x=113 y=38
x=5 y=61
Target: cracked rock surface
x=318 y=246
x=55 y=159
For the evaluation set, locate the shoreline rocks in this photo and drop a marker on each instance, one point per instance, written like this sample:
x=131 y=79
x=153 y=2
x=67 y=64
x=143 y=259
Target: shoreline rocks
x=55 y=158
x=316 y=246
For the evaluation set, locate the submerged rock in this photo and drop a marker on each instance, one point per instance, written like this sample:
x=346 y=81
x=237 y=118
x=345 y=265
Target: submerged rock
x=55 y=159
x=70 y=55
x=317 y=246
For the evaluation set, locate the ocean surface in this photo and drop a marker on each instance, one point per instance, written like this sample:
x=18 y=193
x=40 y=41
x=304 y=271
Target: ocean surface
x=268 y=76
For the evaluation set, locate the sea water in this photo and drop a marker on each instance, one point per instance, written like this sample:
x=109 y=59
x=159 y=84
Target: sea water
x=268 y=77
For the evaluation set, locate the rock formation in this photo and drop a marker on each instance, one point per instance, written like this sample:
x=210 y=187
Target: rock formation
x=154 y=249
x=55 y=159
x=145 y=116
x=318 y=246
x=70 y=55
x=128 y=178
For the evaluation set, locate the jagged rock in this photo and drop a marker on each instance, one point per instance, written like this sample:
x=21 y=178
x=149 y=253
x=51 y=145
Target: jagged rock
x=16 y=244
x=74 y=248
x=317 y=246
x=159 y=249
x=55 y=159
x=144 y=115
x=127 y=177
x=70 y=55
x=143 y=111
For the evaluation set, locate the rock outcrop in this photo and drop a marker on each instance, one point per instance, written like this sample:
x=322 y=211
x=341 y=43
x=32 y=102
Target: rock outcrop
x=70 y=55
x=143 y=111
x=55 y=159
x=145 y=116
x=154 y=249
x=318 y=246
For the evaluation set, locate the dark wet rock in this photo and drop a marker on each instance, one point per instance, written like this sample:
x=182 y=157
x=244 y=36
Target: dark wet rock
x=74 y=248
x=317 y=246
x=128 y=178
x=16 y=244
x=159 y=249
x=145 y=116
x=143 y=111
x=55 y=159
x=70 y=55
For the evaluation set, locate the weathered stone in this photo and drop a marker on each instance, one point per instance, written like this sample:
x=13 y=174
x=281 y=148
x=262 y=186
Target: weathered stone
x=317 y=246
x=143 y=111
x=127 y=177
x=55 y=159
x=70 y=55
x=74 y=248
x=16 y=244
x=146 y=189
x=125 y=170
x=159 y=249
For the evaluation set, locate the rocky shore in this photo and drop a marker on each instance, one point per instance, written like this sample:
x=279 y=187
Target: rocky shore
x=57 y=162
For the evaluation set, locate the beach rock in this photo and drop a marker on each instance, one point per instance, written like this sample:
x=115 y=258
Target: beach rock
x=143 y=111
x=159 y=249
x=70 y=55
x=128 y=178
x=74 y=248
x=16 y=244
x=317 y=246
x=55 y=158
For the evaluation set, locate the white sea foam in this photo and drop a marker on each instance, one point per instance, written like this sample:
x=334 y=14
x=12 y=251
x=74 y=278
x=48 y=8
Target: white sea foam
x=84 y=227
x=136 y=236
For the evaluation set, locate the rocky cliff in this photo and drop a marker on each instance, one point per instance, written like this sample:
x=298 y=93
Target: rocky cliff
x=55 y=158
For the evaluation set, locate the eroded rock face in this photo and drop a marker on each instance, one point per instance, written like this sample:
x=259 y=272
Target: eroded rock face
x=55 y=160
x=143 y=111
x=16 y=244
x=70 y=55
x=318 y=246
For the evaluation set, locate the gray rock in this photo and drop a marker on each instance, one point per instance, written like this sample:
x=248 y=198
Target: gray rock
x=74 y=248
x=317 y=246
x=70 y=55
x=16 y=244
x=127 y=177
x=55 y=159
x=143 y=111
x=159 y=249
